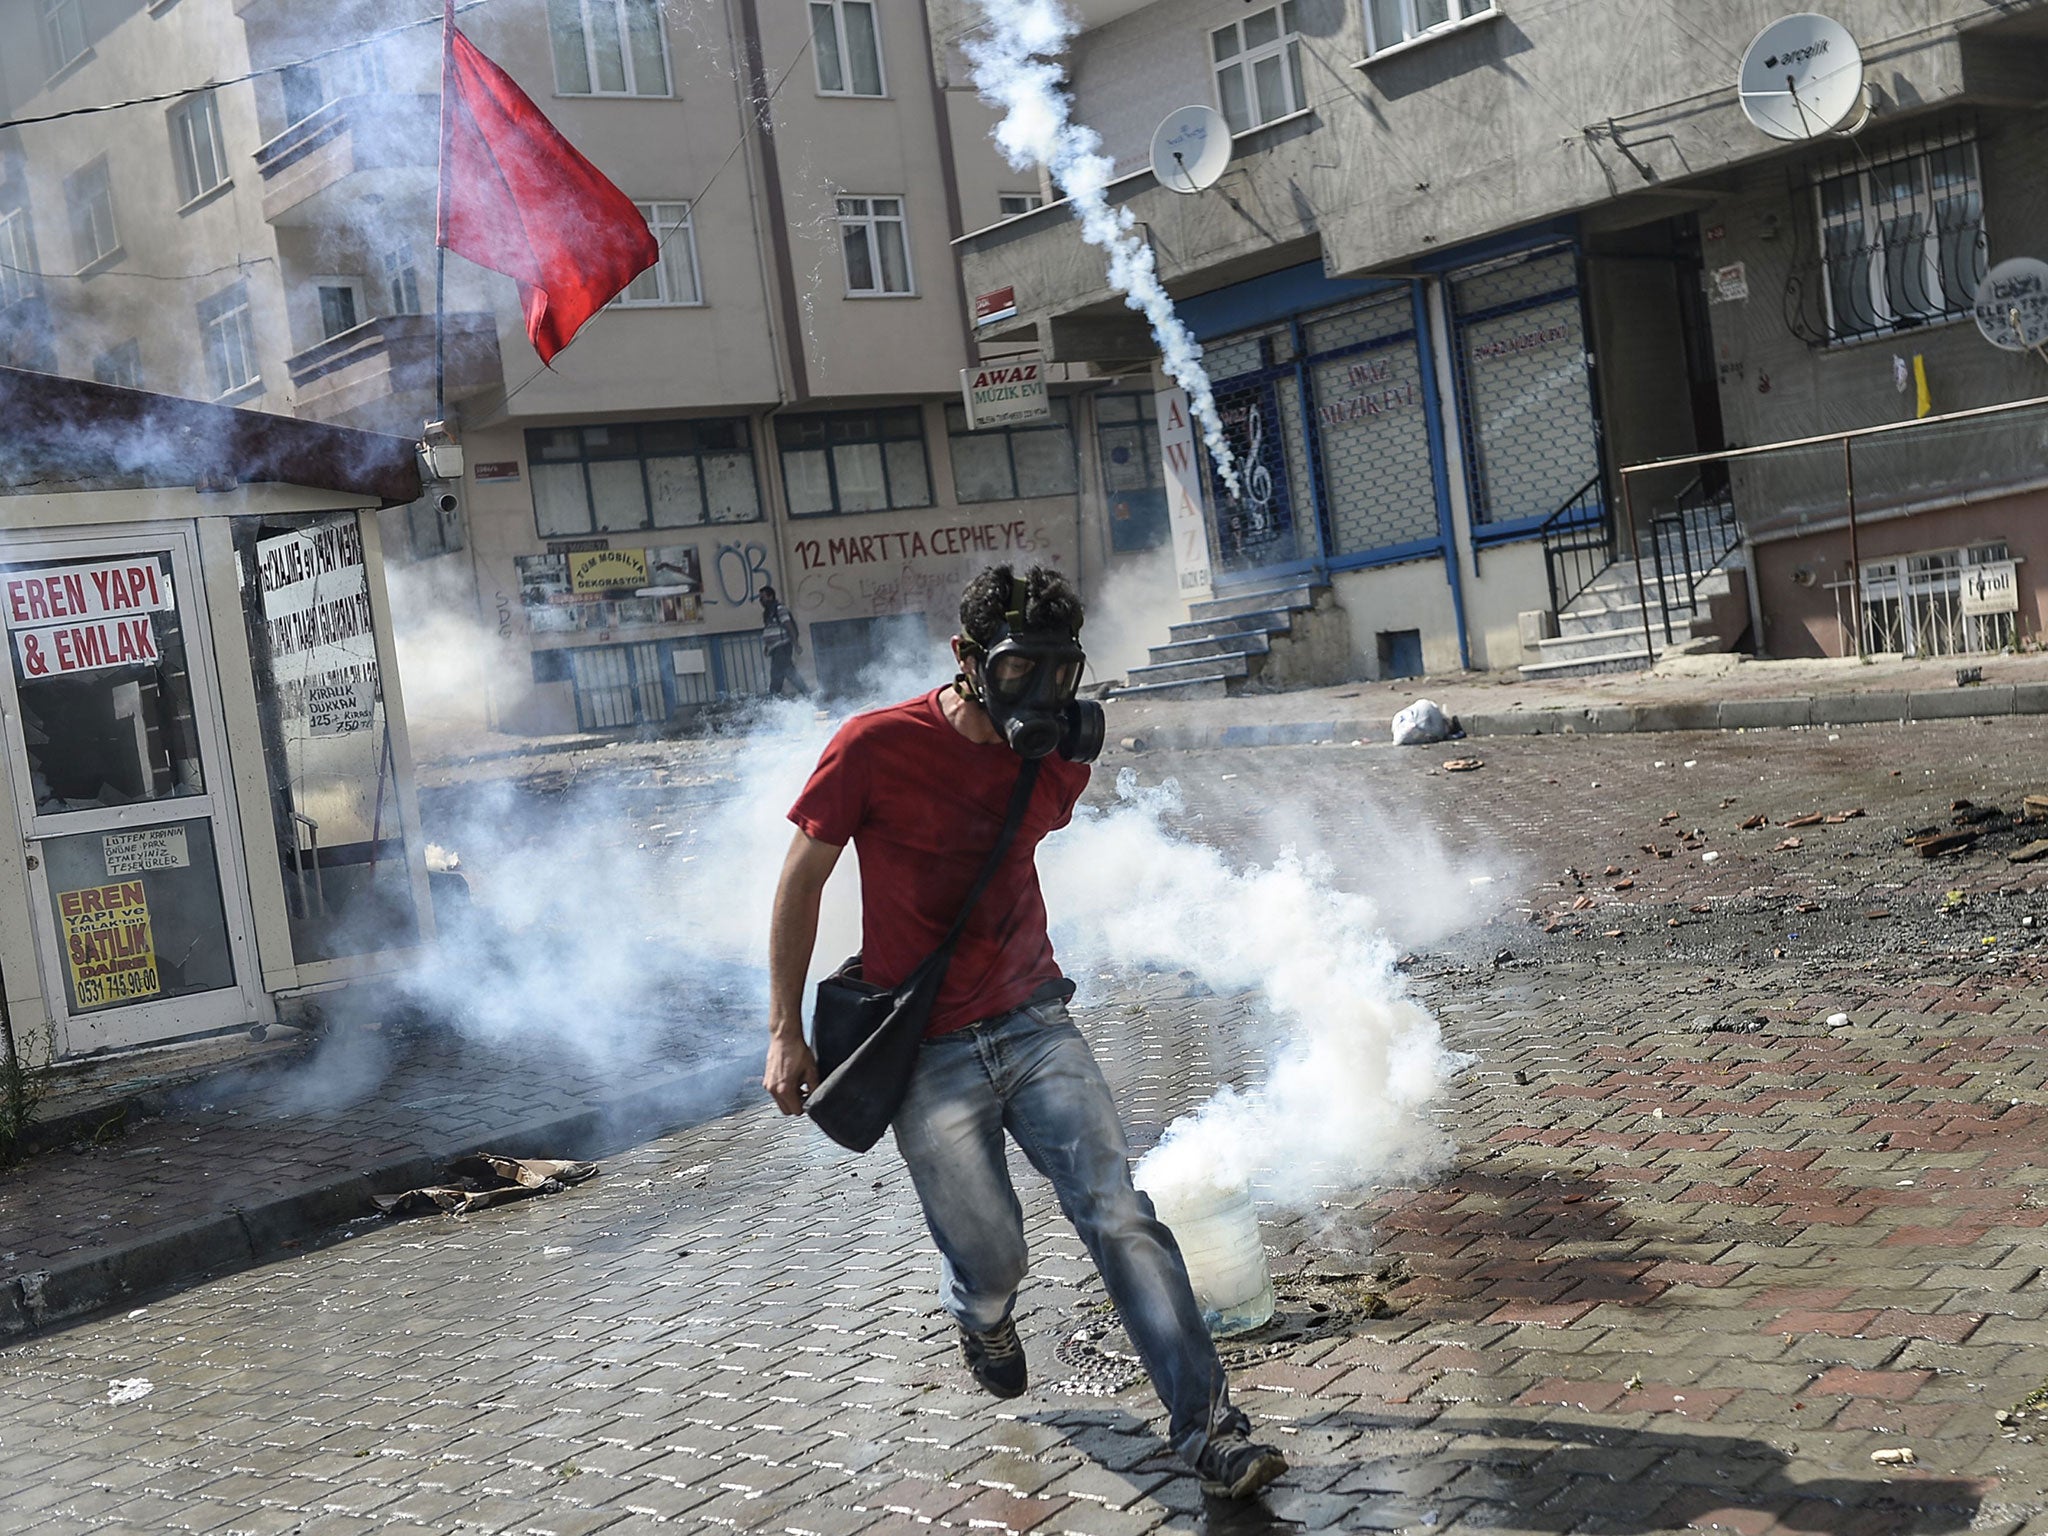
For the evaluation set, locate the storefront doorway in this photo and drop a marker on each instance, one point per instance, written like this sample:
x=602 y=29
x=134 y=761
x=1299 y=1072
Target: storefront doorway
x=115 y=747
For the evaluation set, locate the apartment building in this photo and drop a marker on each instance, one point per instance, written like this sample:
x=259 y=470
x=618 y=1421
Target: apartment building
x=777 y=402
x=1471 y=258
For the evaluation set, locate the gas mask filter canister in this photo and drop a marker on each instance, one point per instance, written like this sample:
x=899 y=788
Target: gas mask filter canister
x=1028 y=683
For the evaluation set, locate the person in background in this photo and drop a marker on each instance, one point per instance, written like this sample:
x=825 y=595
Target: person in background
x=778 y=639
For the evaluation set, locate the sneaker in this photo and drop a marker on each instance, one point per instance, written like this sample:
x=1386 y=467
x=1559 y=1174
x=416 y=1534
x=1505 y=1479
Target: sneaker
x=1233 y=1467
x=996 y=1358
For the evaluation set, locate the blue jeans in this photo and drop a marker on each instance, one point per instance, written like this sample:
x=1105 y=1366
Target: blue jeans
x=1031 y=1073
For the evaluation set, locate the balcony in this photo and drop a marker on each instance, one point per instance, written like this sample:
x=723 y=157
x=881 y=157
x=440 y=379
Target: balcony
x=318 y=170
x=360 y=377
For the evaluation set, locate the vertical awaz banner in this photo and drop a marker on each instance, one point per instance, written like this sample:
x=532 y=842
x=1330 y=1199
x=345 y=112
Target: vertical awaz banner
x=316 y=608
x=84 y=618
x=1180 y=455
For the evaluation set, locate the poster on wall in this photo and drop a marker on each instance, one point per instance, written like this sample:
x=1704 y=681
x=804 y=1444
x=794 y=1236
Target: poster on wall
x=323 y=646
x=130 y=853
x=108 y=944
x=606 y=589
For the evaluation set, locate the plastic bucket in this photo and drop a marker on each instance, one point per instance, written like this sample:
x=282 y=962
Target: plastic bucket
x=1218 y=1234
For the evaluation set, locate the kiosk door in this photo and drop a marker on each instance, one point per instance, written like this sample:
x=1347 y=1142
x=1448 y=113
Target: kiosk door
x=117 y=751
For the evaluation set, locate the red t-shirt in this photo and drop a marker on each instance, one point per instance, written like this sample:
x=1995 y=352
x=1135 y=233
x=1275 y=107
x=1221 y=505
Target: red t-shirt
x=923 y=806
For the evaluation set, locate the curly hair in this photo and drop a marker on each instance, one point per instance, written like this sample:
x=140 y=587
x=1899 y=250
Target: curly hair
x=1048 y=601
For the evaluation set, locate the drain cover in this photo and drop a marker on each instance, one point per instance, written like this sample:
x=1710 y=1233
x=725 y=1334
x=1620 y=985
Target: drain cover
x=1101 y=1362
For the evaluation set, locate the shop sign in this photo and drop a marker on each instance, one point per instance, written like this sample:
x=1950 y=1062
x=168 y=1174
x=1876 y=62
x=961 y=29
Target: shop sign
x=1992 y=587
x=42 y=595
x=497 y=472
x=131 y=853
x=1005 y=396
x=108 y=944
x=1180 y=457
x=608 y=570
x=998 y=305
x=63 y=649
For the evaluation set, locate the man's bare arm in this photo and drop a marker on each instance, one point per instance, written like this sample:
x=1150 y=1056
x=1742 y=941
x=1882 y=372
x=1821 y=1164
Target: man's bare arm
x=792 y=1070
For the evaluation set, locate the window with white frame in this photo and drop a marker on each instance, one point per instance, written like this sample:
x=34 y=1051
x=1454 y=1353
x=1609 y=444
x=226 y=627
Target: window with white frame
x=341 y=305
x=1392 y=22
x=89 y=195
x=846 y=47
x=196 y=148
x=120 y=365
x=1915 y=604
x=1258 y=67
x=1016 y=462
x=876 y=246
x=401 y=279
x=17 y=258
x=228 y=338
x=1902 y=240
x=854 y=461
x=63 y=33
x=672 y=279
x=1015 y=205
x=609 y=47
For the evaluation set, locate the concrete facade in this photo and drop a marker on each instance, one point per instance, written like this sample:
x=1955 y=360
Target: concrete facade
x=1715 y=271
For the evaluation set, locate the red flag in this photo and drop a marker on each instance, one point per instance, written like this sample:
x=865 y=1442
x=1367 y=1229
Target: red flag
x=520 y=199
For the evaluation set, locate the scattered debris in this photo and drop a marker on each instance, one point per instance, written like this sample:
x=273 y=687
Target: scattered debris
x=1898 y=1456
x=1758 y=820
x=1623 y=885
x=486 y=1179
x=1134 y=744
x=1975 y=815
x=1878 y=914
x=1837 y=1020
x=2037 y=849
x=1422 y=723
x=1810 y=819
x=1702 y=907
x=131 y=1390
x=1841 y=816
x=2034 y=808
x=1665 y=820
x=1463 y=764
x=1611 y=871
x=1708 y=858
x=1933 y=844
x=1788 y=843
x=1965 y=676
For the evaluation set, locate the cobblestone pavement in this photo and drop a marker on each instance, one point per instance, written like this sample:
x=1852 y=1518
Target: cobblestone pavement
x=1702 y=1251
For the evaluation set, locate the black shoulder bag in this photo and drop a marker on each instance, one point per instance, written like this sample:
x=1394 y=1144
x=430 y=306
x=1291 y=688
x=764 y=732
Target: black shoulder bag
x=866 y=1038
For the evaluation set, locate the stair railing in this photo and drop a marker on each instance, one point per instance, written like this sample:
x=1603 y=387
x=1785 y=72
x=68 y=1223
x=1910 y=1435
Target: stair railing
x=1578 y=544
x=1696 y=536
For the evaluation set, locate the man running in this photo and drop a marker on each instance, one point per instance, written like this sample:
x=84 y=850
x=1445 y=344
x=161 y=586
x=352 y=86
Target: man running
x=920 y=788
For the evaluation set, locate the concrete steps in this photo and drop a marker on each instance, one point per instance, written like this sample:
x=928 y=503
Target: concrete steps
x=1272 y=637
x=1603 y=630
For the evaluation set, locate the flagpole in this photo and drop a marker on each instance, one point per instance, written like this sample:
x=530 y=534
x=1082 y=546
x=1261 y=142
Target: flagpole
x=441 y=221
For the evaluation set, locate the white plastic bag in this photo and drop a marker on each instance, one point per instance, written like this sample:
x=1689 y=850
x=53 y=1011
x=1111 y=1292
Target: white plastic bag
x=1420 y=724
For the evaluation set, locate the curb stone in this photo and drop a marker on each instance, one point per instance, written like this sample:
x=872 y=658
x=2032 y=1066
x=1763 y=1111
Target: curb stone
x=236 y=1237
x=1976 y=702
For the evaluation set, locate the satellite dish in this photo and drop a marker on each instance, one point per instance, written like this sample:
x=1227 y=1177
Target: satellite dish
x=1803 y=77
x=1190 y=149
x=2012 y=305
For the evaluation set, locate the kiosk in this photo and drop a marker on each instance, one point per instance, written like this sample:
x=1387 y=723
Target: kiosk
x=202 y=743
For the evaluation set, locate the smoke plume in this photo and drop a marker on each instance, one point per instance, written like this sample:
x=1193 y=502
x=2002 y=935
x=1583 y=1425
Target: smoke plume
x=1016 y=68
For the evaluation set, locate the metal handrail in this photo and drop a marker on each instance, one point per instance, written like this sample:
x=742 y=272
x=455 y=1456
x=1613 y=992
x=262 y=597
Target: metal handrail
x=1560 y=546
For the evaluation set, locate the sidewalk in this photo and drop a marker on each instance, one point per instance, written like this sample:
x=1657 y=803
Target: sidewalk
x=1682 y=693
x=161 y=1169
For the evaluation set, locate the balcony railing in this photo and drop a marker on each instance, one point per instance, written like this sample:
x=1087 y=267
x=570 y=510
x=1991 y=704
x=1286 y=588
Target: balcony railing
x=349 y=375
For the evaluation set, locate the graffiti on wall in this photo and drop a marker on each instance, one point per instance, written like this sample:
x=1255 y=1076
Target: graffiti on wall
x=909 y=570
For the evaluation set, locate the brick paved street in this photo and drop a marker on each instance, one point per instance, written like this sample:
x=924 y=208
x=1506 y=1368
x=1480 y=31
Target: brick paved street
x=1700 y=1253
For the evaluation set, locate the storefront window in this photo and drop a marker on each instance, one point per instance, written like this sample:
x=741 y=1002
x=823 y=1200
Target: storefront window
x=326 y=737
x=138 y=914
x=99 y=665
x=1531 y=443
x=1372 y=426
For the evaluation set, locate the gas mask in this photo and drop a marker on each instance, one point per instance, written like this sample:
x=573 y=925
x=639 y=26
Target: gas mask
x=1028 y=682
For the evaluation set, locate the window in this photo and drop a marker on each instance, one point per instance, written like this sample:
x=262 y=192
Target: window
x=1914 y=605
x=63 y=33
x=1258 y=68
x=846 y=48
x=1391 y=22
x=229 y=340
x=309 y=87
x=17 y=258
x=90 y=195
x=120 y=365
x=402 y=279
x=621 y=478
x=1017 y=204
x=854 y=461
x=196 y=147
x=1010 y=463
x=304 y=92
x=1133 y=479
x=673 y=279
x=877 y=250
x=1902 y=241
x=340 y=308
x=609 y=47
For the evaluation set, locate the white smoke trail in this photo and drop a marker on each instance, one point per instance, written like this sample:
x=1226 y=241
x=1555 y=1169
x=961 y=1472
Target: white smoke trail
x=1015 y=68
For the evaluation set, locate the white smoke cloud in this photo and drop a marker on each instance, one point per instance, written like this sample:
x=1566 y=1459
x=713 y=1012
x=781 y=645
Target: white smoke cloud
x=1353 y=1061
x=1015 y=66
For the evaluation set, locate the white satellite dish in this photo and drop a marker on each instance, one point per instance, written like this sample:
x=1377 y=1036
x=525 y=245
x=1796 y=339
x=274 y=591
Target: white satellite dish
x=1190 y=149
x=1803 y=77
x=2012 y=305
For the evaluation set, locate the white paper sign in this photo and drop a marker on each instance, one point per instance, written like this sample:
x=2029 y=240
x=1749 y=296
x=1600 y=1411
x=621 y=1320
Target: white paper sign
x=1993 y=587
x=131 y=853
x=92 y=645
x=1731 y=283
x=1180 y=454
x=316 y=611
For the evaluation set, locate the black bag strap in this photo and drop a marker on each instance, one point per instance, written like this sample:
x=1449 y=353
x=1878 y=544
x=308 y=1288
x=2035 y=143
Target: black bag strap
x=1020 y=797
